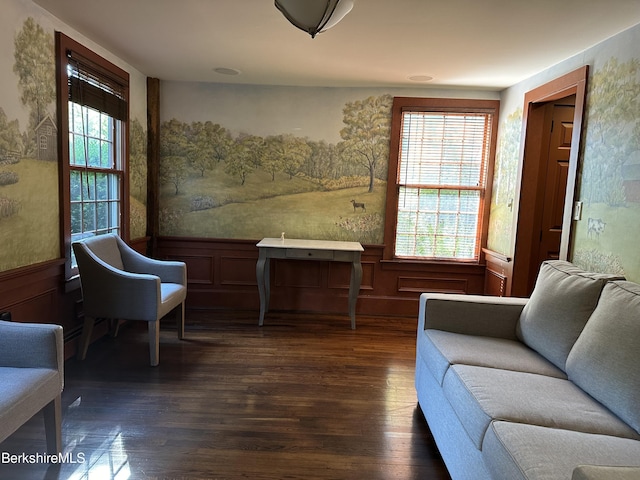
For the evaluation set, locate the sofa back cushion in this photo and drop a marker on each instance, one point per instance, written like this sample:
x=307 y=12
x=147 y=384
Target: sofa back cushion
x=562 y=301
x=605 y=360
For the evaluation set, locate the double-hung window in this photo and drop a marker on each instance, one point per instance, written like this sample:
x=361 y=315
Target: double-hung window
x=440 y=167
x=93 y=105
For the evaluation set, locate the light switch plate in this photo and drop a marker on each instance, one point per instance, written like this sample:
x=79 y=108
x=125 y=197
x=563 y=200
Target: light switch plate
x=577 y=210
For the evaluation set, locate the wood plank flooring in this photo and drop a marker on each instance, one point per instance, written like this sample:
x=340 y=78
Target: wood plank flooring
x=304 y=397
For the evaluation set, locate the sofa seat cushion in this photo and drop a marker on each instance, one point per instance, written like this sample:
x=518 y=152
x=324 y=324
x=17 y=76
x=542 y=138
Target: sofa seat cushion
x=562 y=301
x=480 y=395
x=24 y=391
x=440 y=349
x=515 y=451
x=606 y=472
x=605 y=361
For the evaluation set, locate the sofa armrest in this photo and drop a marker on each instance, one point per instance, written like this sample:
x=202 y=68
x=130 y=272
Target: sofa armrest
x=605 y=472
x=471 y=314
x=31 y=345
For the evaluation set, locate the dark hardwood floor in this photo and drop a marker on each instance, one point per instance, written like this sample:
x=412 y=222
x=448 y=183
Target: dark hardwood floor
x=304 y=397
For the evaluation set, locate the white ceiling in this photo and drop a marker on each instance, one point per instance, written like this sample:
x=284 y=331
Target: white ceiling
x=480 y=43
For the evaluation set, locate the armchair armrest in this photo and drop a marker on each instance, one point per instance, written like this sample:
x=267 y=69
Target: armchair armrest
x=31 y=345
x=605 y=472
x=470 y=314
x=168 y=271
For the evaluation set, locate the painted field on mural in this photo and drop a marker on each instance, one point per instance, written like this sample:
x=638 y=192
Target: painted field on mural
x=30 y=231
x=216 y=206
x=604 y=230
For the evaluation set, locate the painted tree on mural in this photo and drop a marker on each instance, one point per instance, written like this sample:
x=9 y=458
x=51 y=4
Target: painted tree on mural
x=244 y=157
x=291 y=153
x=505 y=183
x=137 y=179
x=272 y=160
x=174 y=150
x=173 y=140
x=10 y=137
x=322 y=160
x=10 y=144
x=209 y=143
x=366 y=134
x=614 y=102
x=174 y=171
x=137 y=161
x=35 y=67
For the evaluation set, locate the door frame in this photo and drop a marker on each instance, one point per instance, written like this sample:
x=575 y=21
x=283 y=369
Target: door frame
x=524 y=246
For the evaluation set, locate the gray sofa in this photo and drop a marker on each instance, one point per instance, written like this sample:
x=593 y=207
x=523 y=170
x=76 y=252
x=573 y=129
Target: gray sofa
x=31 y=378
x=544 y=388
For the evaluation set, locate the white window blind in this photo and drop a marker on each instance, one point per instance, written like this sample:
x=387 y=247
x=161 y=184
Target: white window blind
x=441 y=184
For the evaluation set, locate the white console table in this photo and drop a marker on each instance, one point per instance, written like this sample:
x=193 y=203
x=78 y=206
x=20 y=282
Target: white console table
x=293 y=249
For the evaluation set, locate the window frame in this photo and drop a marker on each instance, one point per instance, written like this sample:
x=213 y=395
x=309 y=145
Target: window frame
x=440 y=105
x=111 y=73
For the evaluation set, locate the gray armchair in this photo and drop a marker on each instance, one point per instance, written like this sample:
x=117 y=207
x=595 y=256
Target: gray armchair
x=31 y=378
x=119 y=283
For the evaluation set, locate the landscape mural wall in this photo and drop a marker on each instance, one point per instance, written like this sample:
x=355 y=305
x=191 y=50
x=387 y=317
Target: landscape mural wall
x=609 y=173
x=247 y=162
x=29 y=192
x=251 y=196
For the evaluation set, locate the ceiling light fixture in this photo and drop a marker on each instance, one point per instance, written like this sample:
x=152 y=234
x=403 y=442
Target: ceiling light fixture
x=420 y=78
x=314 y=16
x=226 y=71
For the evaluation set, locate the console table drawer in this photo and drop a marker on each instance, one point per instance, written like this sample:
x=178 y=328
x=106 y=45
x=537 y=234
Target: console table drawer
x=310 y=254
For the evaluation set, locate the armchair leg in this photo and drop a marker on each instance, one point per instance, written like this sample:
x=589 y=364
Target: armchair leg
x=53 y=425
x=85 y=339
x=154 y=343
x=114 y=327
x=180 y=320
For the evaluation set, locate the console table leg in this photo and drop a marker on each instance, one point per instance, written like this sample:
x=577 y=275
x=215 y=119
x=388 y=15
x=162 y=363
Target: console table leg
x=354 y=289
x=262 y=276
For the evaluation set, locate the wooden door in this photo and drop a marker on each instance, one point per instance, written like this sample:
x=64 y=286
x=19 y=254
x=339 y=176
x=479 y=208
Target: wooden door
x=554 y=180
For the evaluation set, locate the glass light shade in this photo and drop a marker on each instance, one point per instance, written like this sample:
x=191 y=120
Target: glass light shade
x=314 y=16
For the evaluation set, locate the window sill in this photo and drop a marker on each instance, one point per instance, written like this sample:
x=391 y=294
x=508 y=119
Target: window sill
x=396 y=263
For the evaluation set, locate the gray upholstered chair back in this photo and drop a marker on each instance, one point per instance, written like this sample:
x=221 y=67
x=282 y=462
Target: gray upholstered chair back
x=106 y=248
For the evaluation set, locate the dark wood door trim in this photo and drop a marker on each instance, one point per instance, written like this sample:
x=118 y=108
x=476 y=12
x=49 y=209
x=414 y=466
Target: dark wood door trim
x=573 y=83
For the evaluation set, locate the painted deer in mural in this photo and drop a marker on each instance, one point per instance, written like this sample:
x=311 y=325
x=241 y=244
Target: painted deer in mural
x=357 y=205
